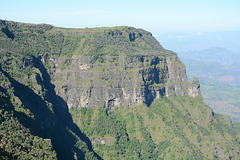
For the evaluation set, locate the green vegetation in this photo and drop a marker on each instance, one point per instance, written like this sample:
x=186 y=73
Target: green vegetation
x=174 y=127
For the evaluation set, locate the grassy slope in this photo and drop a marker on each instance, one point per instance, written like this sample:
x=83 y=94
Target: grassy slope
x=171 y=128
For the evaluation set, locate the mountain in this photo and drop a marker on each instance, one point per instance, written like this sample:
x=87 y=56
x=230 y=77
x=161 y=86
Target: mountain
x=102 y=93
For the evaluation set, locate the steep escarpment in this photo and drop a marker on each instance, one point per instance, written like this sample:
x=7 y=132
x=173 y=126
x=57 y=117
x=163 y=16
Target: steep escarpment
x=102 y=93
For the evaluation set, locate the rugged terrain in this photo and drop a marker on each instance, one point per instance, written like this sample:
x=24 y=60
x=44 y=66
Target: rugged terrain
x=102 y=93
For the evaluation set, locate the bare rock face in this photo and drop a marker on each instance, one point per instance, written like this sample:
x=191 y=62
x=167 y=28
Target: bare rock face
x=114 y=81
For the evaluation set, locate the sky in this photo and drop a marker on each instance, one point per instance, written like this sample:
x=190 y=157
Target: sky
x=156 y=16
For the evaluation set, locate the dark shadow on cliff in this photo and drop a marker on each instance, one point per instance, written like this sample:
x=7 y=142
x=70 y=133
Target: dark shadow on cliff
x=57 y=125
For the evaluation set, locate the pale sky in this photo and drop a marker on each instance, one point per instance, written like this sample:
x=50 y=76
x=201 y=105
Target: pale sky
x=152 y=15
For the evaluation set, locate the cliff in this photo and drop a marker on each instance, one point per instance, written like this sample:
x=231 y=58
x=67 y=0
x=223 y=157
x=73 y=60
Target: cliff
x=100 y=93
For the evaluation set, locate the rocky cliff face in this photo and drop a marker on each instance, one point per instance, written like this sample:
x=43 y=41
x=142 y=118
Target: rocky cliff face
x=115 y=81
